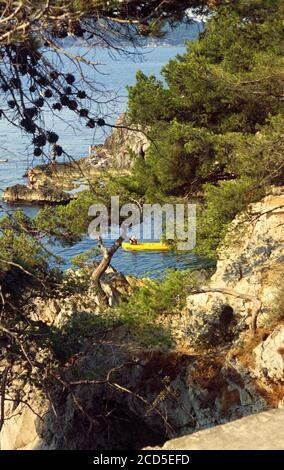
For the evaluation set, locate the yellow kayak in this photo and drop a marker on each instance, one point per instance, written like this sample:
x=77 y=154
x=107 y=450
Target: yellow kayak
x=146 y=246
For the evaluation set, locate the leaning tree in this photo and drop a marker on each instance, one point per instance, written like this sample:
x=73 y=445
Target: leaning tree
x=38 y=73
x=33 y=38
x=40 y=76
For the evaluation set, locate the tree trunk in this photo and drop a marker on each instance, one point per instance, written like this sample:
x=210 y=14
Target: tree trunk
x=107 y=257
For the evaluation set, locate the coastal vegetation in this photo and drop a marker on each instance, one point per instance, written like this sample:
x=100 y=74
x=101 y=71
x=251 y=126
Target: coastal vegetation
x=215 y=131
x=215 y=127
x=216 y=122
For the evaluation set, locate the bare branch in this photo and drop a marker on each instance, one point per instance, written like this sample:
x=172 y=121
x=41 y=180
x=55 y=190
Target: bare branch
x=227 y=291
x=3 y=392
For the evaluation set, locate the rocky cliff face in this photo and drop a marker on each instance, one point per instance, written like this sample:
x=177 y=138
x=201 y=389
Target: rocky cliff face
x=126 y=142
x=249 y=274
x=120 y=396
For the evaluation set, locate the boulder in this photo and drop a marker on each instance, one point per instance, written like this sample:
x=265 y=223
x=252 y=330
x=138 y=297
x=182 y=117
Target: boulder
x=212 y=329
x=22 y=423
x=269 y=356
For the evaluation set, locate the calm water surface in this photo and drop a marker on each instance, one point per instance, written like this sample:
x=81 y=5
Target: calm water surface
x=115 y=75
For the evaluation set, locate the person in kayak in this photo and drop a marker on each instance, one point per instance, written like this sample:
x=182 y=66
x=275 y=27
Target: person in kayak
x=133 y=240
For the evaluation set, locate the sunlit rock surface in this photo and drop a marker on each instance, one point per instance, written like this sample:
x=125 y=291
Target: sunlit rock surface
x=263 y=431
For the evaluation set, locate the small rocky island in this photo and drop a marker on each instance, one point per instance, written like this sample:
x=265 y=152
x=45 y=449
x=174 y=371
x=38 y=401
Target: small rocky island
x=20 y=193
x=54 y=182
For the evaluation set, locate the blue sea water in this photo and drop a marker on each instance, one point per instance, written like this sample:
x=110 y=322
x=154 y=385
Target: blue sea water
x=113 y=75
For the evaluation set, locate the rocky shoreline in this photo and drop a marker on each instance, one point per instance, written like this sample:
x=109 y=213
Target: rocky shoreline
x=21 y=194
x=53 y=181
x=221 y=370
x=228 y=363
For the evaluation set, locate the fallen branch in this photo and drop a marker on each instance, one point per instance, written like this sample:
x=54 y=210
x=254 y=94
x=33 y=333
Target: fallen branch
x=18 y=266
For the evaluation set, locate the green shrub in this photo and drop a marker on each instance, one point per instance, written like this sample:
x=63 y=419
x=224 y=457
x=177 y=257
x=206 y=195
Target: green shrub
x=221 y=205
x=277 y=311
x=214 y=99
x=139 y=312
